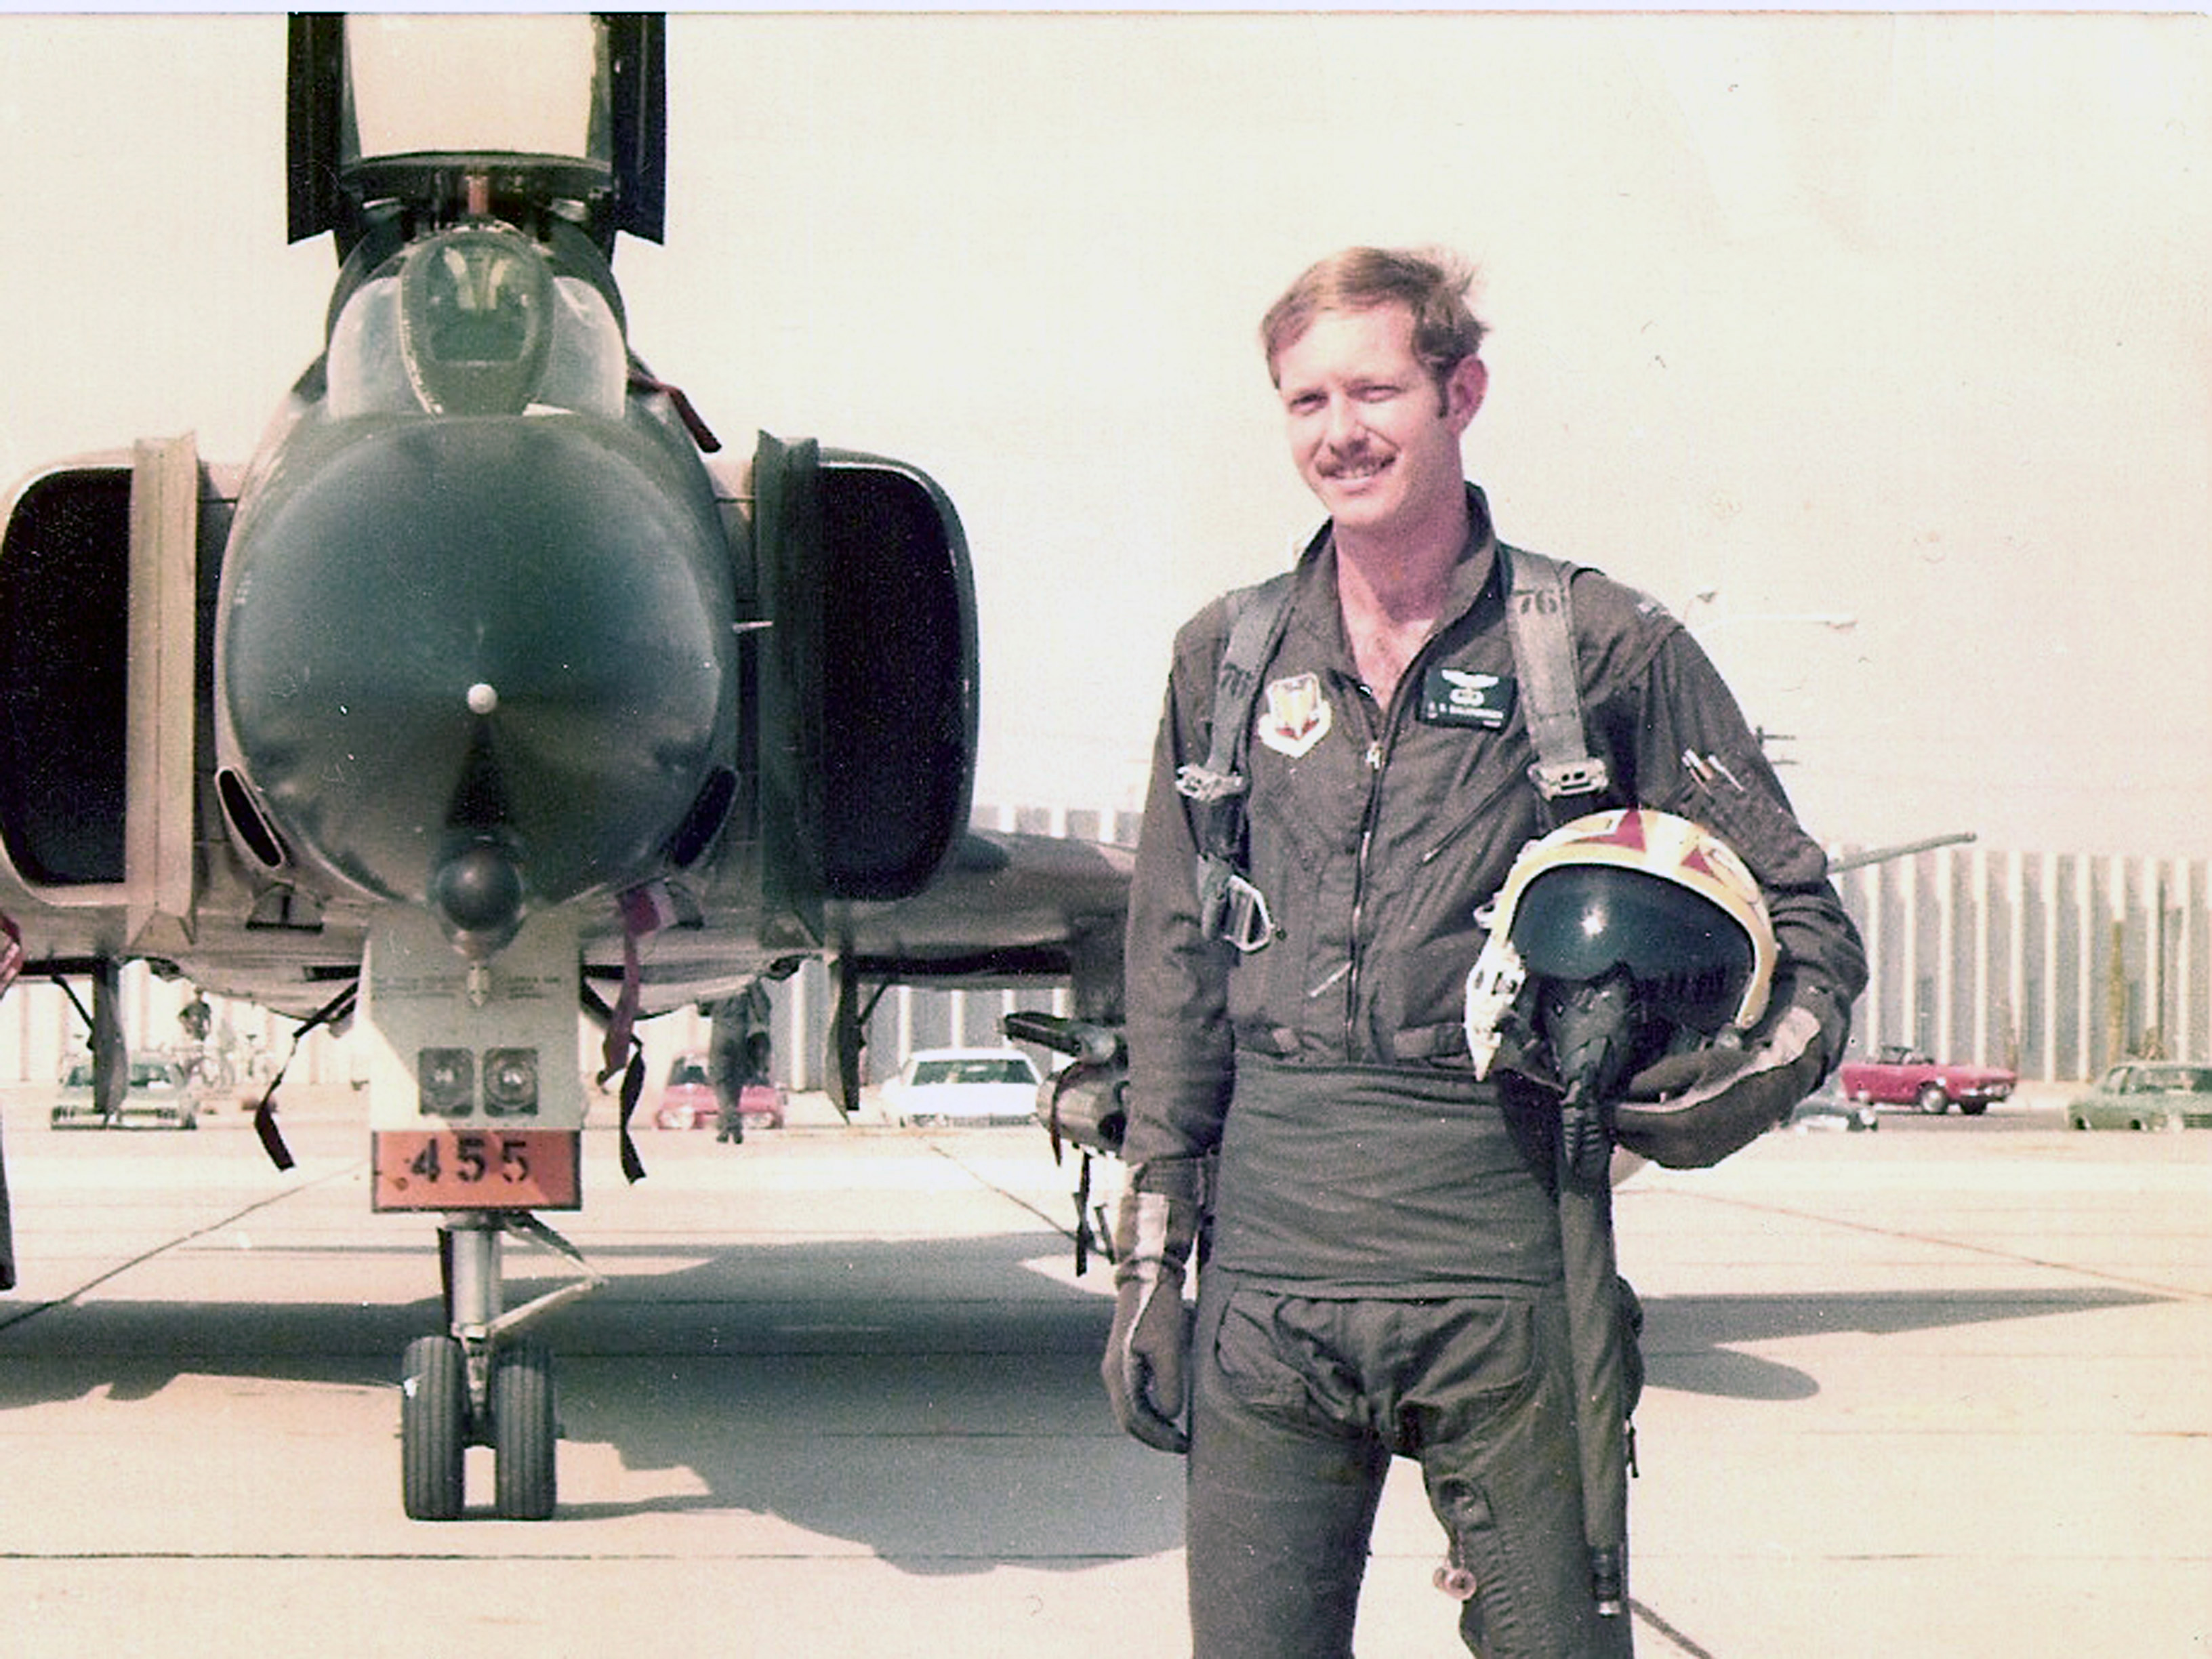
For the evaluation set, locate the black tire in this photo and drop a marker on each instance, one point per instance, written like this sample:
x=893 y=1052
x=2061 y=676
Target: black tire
x=525 y=1431
x=434 y=1428
x=1932 y=1100
x=1972 y=1107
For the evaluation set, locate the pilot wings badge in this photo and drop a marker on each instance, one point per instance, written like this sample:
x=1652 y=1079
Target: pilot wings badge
x=1297 y=716
x=1460 y=697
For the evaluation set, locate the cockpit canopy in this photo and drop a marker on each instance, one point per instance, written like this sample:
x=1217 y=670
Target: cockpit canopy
x=474 y=320
x=420 y=118
x=513 y=83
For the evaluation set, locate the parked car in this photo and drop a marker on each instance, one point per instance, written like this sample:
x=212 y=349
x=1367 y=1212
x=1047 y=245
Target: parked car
x=1906 y=1077
x=1826 y=1109
x=2146 y=1094
x=964 y=1086
x=688 y=1101
x=157 y=1096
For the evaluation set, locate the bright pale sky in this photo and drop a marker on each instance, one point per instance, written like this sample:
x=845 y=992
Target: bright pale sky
x=1878 y=347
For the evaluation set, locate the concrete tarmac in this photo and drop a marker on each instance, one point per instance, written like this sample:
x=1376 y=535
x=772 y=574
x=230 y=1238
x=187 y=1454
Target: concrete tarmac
x=1940 y=1390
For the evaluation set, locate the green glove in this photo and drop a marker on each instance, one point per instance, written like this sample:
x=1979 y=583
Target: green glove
x=1690 y=1110
x=1146 y=1366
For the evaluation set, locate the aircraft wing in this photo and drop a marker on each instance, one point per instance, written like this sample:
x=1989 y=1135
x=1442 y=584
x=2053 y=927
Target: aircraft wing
x=1007 y=910
x=1007 y=907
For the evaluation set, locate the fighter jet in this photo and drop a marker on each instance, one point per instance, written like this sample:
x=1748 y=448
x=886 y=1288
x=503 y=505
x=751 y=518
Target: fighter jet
x=490 y=689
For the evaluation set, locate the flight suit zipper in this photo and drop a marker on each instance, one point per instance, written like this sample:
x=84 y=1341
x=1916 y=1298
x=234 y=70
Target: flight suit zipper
x=1377 y=758
x=1377 y=755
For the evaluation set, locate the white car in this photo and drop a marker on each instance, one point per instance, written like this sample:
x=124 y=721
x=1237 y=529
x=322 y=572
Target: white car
x=158 y=1096
x=964 y=1086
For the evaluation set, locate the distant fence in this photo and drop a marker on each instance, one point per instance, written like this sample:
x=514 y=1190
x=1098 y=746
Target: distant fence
x=2055 y=963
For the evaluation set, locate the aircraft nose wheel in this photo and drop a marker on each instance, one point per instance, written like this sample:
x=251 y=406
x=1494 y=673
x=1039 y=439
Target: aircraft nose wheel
x=471 y=1389
x=524 y=1431
x=438 y=1422
x=434 y=1427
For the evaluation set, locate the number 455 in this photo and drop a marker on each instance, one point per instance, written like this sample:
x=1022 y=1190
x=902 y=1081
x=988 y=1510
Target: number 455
x=473 y=1155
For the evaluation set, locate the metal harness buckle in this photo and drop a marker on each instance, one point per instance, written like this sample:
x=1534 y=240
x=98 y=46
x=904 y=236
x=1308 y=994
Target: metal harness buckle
x=1245 y=922
x=1585 y=776
x=1206 y=786
x=1230 y=908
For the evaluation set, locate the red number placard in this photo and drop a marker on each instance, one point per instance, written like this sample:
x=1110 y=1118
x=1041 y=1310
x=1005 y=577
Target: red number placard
x=476 y=1170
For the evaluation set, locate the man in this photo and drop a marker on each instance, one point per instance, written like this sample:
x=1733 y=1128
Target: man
x=741 y=1053
x=1385 y=1275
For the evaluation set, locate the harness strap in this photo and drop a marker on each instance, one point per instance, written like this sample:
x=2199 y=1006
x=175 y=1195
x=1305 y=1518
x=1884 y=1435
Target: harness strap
x=1228 y=906
x=1540 y=620
x=1540 y=629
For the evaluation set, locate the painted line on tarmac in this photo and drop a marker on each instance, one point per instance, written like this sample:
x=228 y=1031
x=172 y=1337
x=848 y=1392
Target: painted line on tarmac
x=2019 y=1258
x=1666 y=1632
x=1003 y=1191
x=20 y=1315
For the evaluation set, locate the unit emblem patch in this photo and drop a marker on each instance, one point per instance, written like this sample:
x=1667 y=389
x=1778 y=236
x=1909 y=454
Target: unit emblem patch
x=1297 y=716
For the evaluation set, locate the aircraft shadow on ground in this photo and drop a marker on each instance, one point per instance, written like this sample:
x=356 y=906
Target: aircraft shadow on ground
x=1695 y=1343
x=935 y=1401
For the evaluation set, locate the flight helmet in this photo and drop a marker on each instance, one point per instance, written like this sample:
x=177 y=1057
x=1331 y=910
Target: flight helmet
x=1617 y=938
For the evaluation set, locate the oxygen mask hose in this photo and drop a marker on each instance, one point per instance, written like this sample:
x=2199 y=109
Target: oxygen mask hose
x=1587 y=1025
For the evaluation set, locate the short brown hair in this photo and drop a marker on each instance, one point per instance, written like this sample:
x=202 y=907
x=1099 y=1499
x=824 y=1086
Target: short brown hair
x=1433 y=283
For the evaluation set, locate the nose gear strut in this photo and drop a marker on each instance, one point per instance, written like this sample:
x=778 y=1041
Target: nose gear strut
x=477 y=1385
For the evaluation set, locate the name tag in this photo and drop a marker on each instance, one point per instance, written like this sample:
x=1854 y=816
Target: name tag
x=1461 y=697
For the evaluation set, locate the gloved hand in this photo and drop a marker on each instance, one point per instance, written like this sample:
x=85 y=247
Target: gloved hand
x=1688 y=1111
x=1146 y=1366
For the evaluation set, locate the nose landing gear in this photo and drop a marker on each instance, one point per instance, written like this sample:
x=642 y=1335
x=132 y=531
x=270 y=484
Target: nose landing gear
x=481 y=1385
x=477 y=1117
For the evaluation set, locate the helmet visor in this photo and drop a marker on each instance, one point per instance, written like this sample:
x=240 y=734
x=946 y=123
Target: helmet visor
x=1689 y=959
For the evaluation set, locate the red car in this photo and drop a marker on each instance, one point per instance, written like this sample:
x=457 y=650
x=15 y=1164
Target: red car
x=687 y=1098
x=1906 y=1077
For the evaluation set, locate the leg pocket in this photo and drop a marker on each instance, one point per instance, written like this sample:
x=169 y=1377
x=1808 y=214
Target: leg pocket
x=1270 y=1360
x=1503 y=1476
x=1475 y=1359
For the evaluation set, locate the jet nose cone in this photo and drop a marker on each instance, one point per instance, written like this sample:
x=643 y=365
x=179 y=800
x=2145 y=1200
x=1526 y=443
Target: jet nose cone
x=481 y=664
x=478 y=894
